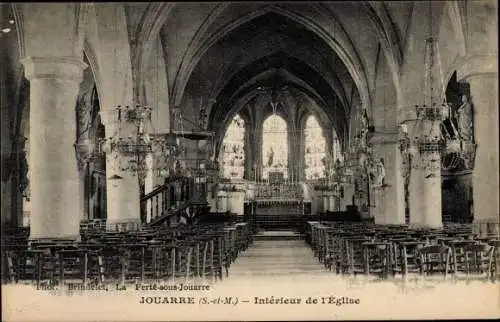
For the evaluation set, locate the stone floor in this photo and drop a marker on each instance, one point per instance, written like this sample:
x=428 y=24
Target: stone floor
x=280 y=253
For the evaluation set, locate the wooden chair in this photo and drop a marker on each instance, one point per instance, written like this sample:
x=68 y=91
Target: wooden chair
x=434 y=259
x=73 y=265
x=377 y=257
x=458 y=261
x=355 y=254
x=480 y=260
x=112 y=264
x=32 y=266
x=410 y=260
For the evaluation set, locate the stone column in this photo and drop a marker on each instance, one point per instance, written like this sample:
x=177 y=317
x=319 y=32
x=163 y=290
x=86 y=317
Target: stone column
x=485 y=176
x=387 y=201
x=257 y=143
x=55 y=199
x=425 y=178
x=250 y=151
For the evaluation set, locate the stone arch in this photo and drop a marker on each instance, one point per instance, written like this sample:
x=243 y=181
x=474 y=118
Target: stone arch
x=19 y=23
x=458 y=25
x=339 y=43
x=151 y=22
x=389 y=40
x=248 y=97
x=89 y=53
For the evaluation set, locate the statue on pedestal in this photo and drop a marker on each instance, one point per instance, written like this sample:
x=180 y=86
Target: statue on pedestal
x=377 y=173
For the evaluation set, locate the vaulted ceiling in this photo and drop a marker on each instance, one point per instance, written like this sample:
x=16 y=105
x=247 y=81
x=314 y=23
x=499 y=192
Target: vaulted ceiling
x=223 y=52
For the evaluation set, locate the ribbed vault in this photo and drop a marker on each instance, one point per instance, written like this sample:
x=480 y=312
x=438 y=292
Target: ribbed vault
x=214 y=51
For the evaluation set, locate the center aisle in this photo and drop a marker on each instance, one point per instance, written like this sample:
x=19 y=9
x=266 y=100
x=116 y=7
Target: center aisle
x=277 y=254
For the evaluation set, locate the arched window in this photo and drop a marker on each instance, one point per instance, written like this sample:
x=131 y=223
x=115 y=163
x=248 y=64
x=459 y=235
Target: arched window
x=233 y=149
x=315 y=149
x=274 y=146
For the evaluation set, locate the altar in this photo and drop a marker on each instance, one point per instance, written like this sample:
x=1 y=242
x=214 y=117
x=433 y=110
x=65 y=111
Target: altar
x=279 y=204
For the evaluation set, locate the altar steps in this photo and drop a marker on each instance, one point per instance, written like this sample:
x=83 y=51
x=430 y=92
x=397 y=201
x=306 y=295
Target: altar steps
x=278 y=221
x=276 y=235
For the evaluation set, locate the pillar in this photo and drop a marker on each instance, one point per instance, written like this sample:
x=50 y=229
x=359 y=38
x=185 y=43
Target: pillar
x=485 y=176
x=387 y=201
x=249 y=148
x=55 y=199
x=257 y=144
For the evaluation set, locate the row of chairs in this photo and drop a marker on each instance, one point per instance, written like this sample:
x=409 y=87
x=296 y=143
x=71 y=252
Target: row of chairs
x=198 y=252
x=361 y=248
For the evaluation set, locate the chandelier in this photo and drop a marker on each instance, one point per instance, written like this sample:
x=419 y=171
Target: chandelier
x=130 y=143
x=170 y=154
x=421 y=140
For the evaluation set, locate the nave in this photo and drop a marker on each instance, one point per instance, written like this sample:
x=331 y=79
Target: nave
x=279 y=146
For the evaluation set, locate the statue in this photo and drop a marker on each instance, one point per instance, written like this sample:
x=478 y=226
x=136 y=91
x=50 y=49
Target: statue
x=85 y=117
x=202 y=121
x=84 y=110
x=363 y=138
x=270 y=157
x=377 y=173
x=464 y=119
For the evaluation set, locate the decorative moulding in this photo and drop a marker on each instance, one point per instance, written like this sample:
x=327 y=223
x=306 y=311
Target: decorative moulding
x=70 y=68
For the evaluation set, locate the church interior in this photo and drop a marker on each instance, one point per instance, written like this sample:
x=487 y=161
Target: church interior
x=158 y=140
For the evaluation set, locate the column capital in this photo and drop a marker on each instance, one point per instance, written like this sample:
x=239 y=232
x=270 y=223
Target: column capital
x=386 y=137
x=484 y=64
x=70 y=68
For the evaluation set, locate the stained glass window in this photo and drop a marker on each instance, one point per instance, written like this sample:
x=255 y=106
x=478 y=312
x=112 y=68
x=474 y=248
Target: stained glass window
x=233 y=149
x=274 y=146
x=315 y=149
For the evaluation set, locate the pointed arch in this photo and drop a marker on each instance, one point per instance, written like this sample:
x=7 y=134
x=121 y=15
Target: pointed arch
x=339 y=42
